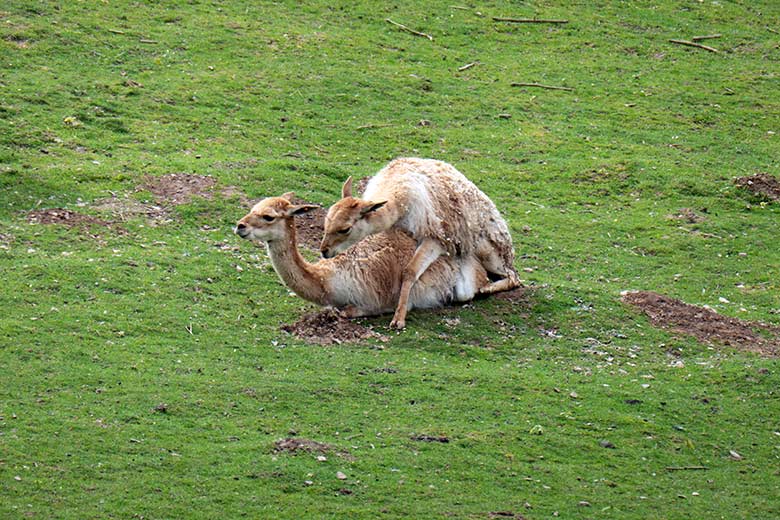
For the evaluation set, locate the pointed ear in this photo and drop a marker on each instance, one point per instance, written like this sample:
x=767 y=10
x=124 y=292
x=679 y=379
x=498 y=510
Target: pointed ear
x=301 y=209
x=289 y=195
x=371 y=206
x=346 y=190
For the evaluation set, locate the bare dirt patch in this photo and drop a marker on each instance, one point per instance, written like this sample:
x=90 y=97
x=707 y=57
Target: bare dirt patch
x=430 y=438
x=126 y=208
x=179 y=188
x=687 y=215
x=300 y=445
x=293 y=445
x=705 y=324
x=761 y=184
x=309 y=226
x=328 y=327
x=505 y=514
x=71 y=220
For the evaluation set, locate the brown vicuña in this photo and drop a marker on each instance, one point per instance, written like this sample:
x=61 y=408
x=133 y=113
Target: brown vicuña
x=366 y=280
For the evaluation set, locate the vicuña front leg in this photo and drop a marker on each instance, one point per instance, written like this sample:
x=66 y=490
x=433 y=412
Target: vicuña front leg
x=425 y=254
x=495 y=263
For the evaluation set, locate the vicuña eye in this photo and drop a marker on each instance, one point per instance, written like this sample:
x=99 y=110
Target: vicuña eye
x=345 y=231
x=268 y=218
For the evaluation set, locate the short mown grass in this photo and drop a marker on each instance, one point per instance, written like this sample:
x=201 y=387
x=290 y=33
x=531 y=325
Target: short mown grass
x=143 y=373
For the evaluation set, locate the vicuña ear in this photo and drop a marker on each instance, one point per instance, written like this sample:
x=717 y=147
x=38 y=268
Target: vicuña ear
x=301 y=209
x=346 y=190
x=289 y=195
x=371 y=206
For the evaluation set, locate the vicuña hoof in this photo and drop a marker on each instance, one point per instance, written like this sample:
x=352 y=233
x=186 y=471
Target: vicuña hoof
x=399 y=324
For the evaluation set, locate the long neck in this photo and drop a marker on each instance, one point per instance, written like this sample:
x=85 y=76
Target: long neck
x=298 y=274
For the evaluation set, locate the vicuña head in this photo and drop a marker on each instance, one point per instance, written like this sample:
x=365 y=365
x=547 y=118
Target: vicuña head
x=349 y=221
x=268 y=218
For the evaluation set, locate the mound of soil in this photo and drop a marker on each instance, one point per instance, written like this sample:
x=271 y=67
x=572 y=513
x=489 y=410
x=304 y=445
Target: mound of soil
x=328 y=327
x=70 y=219
x=293 y=445
x=309 y=226
x=761 y=184
x=705 y=324
x=179 y=188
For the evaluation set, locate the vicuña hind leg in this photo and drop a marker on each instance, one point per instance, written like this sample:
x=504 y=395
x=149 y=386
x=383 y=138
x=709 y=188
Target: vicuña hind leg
x=428 y=251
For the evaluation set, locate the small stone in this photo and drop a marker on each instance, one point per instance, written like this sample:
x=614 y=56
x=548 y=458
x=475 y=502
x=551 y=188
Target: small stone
x=341 y=476
x=734 y=455
x=583 y=503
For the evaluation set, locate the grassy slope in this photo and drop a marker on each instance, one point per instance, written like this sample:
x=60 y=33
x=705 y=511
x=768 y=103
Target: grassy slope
x=94 y=334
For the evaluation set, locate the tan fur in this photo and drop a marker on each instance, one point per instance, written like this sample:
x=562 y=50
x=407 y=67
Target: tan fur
x=433 y=202
x=366 y=279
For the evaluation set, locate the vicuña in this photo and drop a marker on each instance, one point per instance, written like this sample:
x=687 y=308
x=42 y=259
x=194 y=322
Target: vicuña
x=366 y=280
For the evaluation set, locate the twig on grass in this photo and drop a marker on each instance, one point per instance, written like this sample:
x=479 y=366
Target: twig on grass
x=405 y=28
x=468 y=66
x=694 y=44
x=527 y=20
x=685 y=468
x=115 y=31
x=539 y=85
x=143 y=40
x=772 y=30
x=706 y=37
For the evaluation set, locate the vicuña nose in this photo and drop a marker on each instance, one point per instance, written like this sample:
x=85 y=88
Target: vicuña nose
x=241 y=226
x=324 y=252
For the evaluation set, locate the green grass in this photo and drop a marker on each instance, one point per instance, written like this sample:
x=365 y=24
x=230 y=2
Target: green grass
x=272 y=97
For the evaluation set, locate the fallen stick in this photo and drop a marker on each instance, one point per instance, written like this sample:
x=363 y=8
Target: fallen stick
x=694 y=44
x=467 y=66
x=539 y=85
x=143 y=40
x=685 y=468
x=115 y=31
x=527 y=20
x=405 y=28
x=772 y=30
x=706 y=37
